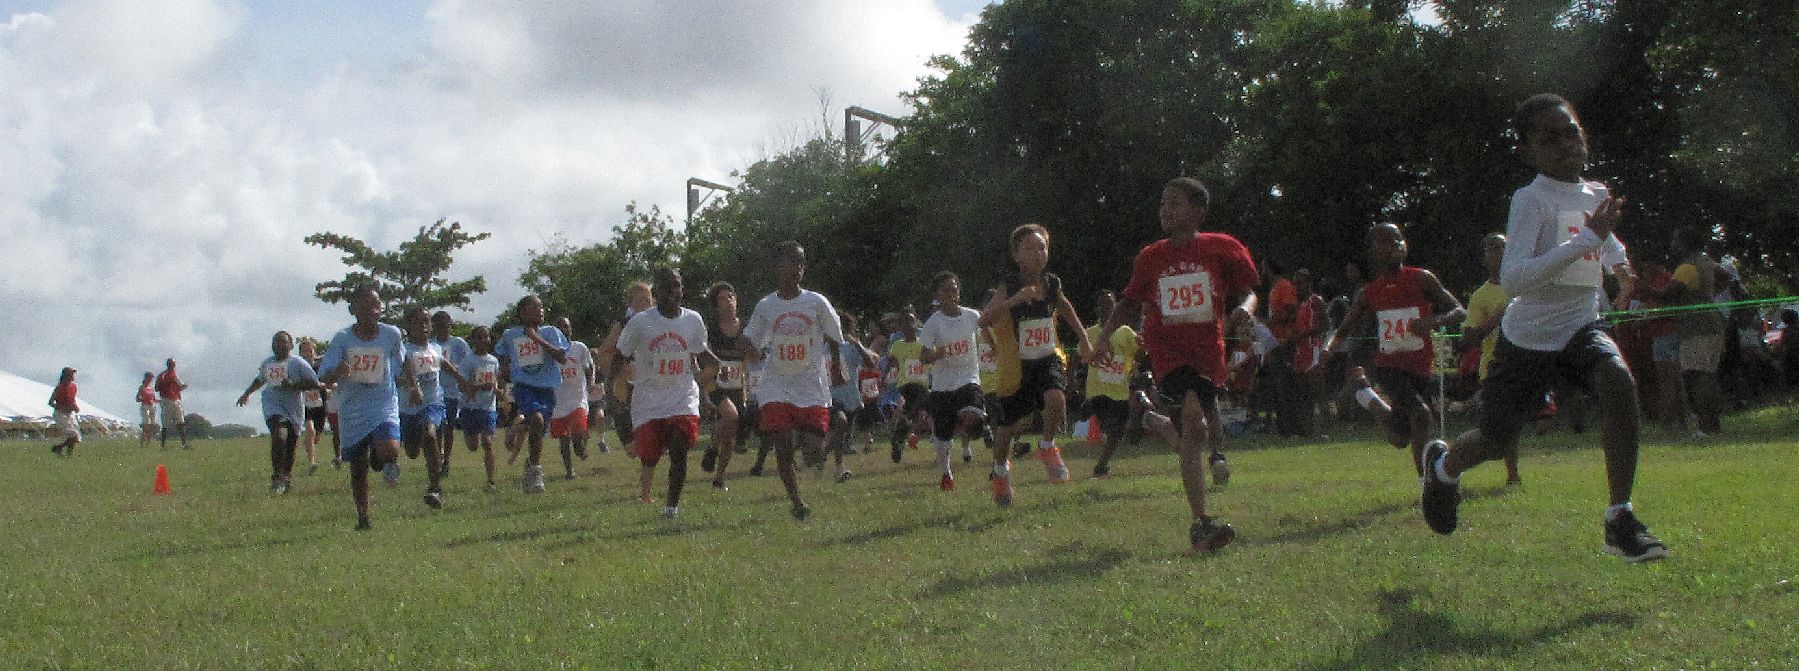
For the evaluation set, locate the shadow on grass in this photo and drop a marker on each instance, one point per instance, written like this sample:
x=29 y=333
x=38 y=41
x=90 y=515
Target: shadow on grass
x=520 y=535
x=1313 y=533
x=1073 y=562
x=228 y=548
x=659 y=529
x=1411 y=633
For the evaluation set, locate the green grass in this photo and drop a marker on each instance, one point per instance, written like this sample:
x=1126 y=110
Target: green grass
x=1333 y=568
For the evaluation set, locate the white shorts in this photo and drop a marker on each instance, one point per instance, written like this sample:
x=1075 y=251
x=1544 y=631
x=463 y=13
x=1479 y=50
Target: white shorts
x=146 y=414
x=67 y=425
x=171 y=412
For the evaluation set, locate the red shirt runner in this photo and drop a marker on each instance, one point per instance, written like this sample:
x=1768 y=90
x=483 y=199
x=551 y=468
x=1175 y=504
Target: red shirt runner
x=1397 y=300
x=1184 y=288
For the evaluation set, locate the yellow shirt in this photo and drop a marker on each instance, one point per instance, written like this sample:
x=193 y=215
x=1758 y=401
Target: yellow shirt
x=1486 y=304
x=1112 y=378
x=908 y=369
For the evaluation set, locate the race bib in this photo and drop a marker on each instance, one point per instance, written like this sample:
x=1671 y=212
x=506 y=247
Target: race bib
x=312 y=399
x=752 y=381
x=368 y=365
x=957 y=349
x=1186 y=298
x=528 y=352
x=1111 y=372
x=671 y=365
x=1396 y=331
x=274 y=374
x=915 y=370
x=793 y=354
x=871 y=387
x=1585 y=271
x=571 y=372
x=1036 y=338
x=485 y=376
x=730 y=375
x=989 y=362
x=423 y=363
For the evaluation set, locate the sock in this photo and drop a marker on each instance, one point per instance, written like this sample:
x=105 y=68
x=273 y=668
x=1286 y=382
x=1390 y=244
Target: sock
x=1611 y=512
x=1002 y=469
x=1046 y=444
x=1369 y=400
x=942 y=454
x=1443 y=475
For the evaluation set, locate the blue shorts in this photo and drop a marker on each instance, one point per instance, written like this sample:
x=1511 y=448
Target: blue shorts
x=414 y=424
x=531 y=400
x=471 y=420
x=846 y=398
x=452 y=411
x=383 y=431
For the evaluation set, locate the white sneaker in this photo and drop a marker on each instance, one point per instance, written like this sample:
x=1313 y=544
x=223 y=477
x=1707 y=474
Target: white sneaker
x=391 y=474
x=671 y=512
x=534 y=480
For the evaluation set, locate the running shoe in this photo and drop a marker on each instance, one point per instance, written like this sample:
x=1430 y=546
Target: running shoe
x=1209 y=537
x=1630 y=539
x=281 y=486
x=1020 y=449
x=1101 y=470
x=895 y=453
x=1440 y=499
x=1221 y=469
x=756 y=470
x=390 y=474
x=843 y=476
x=1002 y=490
x=967 y=454
x=534 y=479
x=801 y=512
x=947 y=483
x=581 y=450
x=1053 y=466
x=362 y=523
x=710 y=460
x=720 y=486
x=671 y=512
x=435 y=500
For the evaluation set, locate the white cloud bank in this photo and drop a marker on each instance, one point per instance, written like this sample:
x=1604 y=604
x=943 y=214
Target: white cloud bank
x=161 y=167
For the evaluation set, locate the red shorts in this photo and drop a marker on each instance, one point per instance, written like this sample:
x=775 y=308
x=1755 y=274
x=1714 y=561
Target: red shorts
x=778 y=417
x=649 y=441
x=572 y=424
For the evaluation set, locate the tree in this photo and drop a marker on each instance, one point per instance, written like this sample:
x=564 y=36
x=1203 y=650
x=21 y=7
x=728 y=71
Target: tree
x=411 y=276
x=587 y=284
x=197 y=426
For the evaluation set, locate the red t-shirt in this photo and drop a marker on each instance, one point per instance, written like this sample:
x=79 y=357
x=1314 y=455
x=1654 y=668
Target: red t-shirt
x=1397 y=299
x=145 y=396
x=1184 y=288
x=63 y=398
x=1306 y=350
x=1283 y=300
x=168 y=385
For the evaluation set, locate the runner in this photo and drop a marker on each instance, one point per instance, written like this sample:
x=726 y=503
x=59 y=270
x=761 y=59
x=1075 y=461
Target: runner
x=282 y=378
x=912 y=377
x=1557 y=227
x=455 y=349
x=1022 y=319
x=568 y=424
x=1481 y=328
x=725 y=337
x=532 y=355
x=800 y=328
x=169 y=387
x=313 y=425
x=478 y=415
x=846 y=397
x=146 y=409
x=64 y=412
x=421 y=414
x=367 y=360
x=618 y=376
x=951 y=341
x=1407 y=304
x=1196 y=281
x=1109 y=379
x=663 y=345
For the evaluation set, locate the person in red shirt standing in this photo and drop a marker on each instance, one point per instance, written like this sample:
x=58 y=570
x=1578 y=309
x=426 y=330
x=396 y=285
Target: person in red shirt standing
x=169 y=387
x=62 y=401
x=146 y=409
x=1195 y=281
x=1307 y=338
x=1407 y=304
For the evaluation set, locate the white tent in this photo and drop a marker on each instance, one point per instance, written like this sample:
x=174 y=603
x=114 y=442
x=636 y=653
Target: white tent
x=24 y=405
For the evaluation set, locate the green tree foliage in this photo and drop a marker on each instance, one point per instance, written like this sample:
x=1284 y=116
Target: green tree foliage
x=411 y=276
x=197 y=426
x=587 y=284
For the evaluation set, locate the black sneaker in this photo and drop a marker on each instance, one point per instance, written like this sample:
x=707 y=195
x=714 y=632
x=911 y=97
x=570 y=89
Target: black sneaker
x=1209 y=537
x=1221 y=469
x=801 y=512
x=708 y=462
x=1101 y=470
x=1440 y=498
x=756 y=470
x=1631 y=540
x=412 y=449
x=434 y=500
x=581 y=451
x=720 y=486
x=1020 y=449
x=362 y=523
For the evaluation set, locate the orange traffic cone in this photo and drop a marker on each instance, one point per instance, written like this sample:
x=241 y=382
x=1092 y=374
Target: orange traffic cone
x=1093 y=433
x=162 y=481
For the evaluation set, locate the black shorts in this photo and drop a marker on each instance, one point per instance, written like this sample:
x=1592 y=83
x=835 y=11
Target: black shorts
x=947 y=407
x=316 y=417
x=1112 y=413
x=1512 y=394
x=275 y=422
x=620 y=414
x=1404 y=390
x=916 y=395
x=1035 y=378
x=718 y=397
x=1182 y=380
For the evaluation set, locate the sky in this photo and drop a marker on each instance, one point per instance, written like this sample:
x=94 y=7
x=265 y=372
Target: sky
x=162 y=161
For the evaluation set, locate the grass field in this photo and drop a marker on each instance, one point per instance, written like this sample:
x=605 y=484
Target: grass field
x=1333 y=569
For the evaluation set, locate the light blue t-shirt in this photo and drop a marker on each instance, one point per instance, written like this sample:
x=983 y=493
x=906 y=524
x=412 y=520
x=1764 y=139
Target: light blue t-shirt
x=480 y=369
x=455 y=350
x=367 y=393
x=848 y=394
x=279 y=399
x=530 y=365
x=427 y=362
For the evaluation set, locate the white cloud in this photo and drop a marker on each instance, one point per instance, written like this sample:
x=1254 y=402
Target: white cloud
x=159 y=176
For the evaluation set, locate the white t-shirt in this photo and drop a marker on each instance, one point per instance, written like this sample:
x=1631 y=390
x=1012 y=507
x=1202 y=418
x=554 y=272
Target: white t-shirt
x=661 y=350
x=960 y=338
x=793 y=332
x=572 y=394
x=1553 y=263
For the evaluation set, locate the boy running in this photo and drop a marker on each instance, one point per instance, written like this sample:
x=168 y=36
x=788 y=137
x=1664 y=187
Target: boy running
x=366 y=361
x=283 y=379
x=1022 y=319
x=455 y=349
x=532 y=355
x=421 y=414
x=1109 y=378
x=568 y=424
x=911 y=376
x=800 y=329
x=1485 y=308
x=951 y=348
x=663 y=345
x=725 y=338
x=1555 y=231
x=1195 y=281
x=478 y=416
